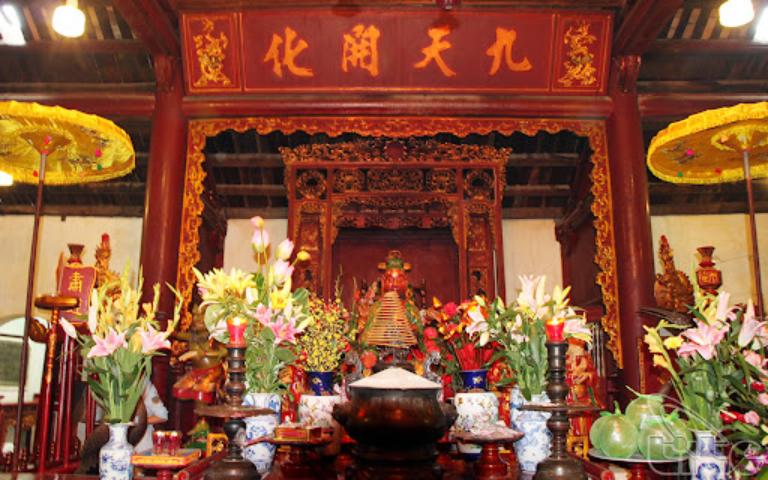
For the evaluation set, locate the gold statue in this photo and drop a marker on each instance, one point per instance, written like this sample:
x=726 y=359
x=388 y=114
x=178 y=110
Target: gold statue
x=103 y=254
x=672 y=289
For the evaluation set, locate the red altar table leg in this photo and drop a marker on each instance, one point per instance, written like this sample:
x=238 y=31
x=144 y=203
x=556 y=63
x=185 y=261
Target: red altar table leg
x=490 y=466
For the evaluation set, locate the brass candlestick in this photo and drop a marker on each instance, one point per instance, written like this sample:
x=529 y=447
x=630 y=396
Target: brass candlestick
x=233 y=465
x=559 y=465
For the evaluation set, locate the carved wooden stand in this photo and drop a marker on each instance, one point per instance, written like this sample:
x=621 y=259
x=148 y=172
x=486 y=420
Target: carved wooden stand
x=559 y=465
x=233 y=465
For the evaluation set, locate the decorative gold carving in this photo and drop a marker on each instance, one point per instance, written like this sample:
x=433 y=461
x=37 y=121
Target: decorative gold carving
x=579 y=67
x=395 y=179
x=311 y=184
x=441 y=180
x=399 y=127
x=210 y=51
x=478 y=184
x=348 y=181
x=403 y=150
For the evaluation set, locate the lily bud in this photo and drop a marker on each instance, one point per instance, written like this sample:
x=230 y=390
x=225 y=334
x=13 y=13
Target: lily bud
x=257 y=222
x=285 y=249
x=260 y=240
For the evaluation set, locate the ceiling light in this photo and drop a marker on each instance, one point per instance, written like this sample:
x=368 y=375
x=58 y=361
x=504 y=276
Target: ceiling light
x=735 y=13
x=6 y=180
x=10 y=26
x=68 y=20
x=761 y=31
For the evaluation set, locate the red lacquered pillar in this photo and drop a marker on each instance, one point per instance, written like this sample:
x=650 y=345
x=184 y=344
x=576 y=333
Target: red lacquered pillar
x=164 y=200
x=631 y=214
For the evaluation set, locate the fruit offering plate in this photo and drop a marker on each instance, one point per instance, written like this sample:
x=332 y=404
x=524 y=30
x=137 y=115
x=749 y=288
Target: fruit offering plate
x=636 y=458
x=181 y=459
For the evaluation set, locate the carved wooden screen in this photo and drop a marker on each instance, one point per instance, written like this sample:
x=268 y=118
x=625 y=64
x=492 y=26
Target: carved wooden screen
x=395 y=184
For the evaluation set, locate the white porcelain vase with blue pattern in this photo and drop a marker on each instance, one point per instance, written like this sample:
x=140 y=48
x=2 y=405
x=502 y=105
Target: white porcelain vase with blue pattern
x=474 y=409
x=536 y=443
x=115 y=455
x=706 y=461
x=261 y=454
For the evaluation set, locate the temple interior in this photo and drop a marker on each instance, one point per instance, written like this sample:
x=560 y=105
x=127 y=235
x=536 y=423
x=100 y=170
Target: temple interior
x=369 y=239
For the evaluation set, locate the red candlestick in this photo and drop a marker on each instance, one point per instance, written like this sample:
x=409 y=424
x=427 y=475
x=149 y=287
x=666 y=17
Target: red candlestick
x=236 y=327
x=555 y=330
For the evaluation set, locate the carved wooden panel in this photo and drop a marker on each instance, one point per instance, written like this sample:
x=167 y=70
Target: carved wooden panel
x=396 y=184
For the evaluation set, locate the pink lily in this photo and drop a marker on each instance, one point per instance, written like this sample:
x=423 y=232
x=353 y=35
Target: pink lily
x=263 y=314
x=284 y=331
x=703 y=340
x=152 y=340
x=577 y=327
x=752 y=329
x=260 y=240
x=107 y=345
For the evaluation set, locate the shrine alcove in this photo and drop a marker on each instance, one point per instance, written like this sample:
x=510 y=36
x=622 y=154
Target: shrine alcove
x=432 y=253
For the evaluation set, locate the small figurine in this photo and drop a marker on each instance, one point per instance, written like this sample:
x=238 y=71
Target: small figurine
x=202 y=381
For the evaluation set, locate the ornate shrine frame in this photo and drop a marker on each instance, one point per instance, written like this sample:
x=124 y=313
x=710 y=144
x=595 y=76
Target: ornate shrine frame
x=393 y=184
x=398 y=127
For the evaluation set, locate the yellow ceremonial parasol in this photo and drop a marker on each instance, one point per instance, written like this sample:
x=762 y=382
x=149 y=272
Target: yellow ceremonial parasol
x=55 y=146
x=715 y=146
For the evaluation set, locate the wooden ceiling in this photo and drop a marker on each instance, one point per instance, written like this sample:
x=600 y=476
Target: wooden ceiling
x=688 y=63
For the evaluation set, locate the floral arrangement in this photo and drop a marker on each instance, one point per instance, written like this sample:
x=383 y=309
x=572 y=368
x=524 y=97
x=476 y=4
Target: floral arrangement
x=460 y=333
x=324 y=341
x=123 y=337
x=520 y=330
x=275 y=314
x=709 y=358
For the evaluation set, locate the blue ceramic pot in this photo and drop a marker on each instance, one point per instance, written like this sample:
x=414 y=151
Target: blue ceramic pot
x=321 y=382
x=475 y=379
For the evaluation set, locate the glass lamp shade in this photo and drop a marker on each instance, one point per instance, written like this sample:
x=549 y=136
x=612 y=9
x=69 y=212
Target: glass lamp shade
x=735 y=13
x=68 y=20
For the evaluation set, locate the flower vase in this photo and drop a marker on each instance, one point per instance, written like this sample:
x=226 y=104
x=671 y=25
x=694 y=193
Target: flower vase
x=474 y=409
x=315 y=411
x=321 y=383
x=706 y=461
x=535 y=446
x=474 y=379
x=115 y=455
x=261 y=454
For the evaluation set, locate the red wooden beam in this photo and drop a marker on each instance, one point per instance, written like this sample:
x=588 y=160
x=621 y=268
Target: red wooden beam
x=678 y=105
x=708 y=47
x=642 y=25
x=414 y=105
x=75 y=46
x=151 y=24
x=98 y=103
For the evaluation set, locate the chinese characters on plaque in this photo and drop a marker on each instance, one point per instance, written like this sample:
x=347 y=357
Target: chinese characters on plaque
x=387 y=50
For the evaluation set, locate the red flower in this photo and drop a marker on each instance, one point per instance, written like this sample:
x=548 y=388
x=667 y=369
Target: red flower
x=450 y=309
x=430 y=333
x=730 y=417
x=759 y=387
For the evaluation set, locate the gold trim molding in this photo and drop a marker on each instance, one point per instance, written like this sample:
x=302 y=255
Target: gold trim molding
x=398 y=127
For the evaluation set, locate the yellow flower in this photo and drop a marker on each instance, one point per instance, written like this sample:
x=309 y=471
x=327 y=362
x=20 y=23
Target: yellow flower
x=278 y=300
x=135 y=342
x=659 y=361
x=303 y=256
x=653 y=341
x=673 y=343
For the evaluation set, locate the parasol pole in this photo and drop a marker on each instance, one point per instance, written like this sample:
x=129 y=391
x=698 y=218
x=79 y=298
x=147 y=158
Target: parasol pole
x=753 y=232
x=28 y=315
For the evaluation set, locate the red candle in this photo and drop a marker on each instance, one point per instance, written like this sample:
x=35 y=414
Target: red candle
x=555 y=329
x=236 y=327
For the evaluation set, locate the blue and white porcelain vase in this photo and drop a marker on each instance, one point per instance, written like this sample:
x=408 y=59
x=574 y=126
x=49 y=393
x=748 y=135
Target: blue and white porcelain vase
x=474 y=409
x=536 y=445
x=261 y=454
x=706 y=461
x=115 y=455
